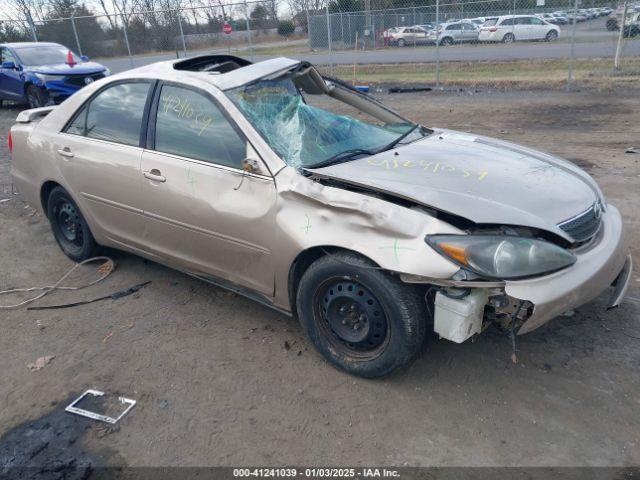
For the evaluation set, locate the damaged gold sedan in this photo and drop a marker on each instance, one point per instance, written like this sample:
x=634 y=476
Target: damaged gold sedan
x=302 y=193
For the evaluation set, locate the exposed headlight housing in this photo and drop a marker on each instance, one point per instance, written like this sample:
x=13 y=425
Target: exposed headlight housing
x=502 y=256
x=44 y=78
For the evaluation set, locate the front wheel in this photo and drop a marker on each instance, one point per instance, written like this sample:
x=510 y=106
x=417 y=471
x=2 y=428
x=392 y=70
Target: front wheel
x=401 y=42
x=551 y=36
x=361 y=319
x=35 y=96
x=69 y=227
x=446 y=41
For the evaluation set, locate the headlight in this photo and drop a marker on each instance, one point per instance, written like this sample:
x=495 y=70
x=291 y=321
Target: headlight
x=48 y=78
x=106 y=72
x=499 y=256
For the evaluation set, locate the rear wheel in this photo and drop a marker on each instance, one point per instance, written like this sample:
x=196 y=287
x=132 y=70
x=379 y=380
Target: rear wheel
x=551 y=36
x=69 y=227
x=401 y=42
x=361 y=319
x=446 y=41
x=508 y=38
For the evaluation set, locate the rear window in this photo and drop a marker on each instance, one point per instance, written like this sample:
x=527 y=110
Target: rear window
x=490 y=23
x=115 y=114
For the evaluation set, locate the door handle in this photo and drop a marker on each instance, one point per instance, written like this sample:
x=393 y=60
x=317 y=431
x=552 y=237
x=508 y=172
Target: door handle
x=154 y=175
x=65 y=152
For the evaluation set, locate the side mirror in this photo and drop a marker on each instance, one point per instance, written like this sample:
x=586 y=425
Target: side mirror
x=84 y=58
x=9 y=65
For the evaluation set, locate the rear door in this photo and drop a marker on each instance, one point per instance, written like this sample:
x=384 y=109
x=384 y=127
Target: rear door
x=469 y=32
x=11 y=84
x=203 y=213
x=99 y=155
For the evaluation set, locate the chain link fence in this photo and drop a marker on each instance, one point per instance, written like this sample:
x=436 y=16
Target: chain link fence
x=486 y=42
x=463 y=43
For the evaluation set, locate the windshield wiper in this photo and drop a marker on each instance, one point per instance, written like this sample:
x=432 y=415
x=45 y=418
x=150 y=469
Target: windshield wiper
x=343 y=157
x=399 y=139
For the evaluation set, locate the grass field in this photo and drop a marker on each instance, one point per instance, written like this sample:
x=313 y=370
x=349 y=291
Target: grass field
x=522 y=73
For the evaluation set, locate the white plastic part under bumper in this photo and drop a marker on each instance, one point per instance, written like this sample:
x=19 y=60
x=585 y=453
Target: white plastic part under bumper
x=600 y=265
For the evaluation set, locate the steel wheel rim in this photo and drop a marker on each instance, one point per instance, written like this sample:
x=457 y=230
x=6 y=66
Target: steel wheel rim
x=351 y=318
x=67 y=219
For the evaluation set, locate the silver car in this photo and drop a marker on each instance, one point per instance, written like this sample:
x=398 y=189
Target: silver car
x=458 y=32
x=316 y=200
x=402 y=36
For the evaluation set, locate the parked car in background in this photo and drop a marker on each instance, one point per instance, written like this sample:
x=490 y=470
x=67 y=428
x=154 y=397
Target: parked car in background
x=44 y=73
x=457 y=32
x=511 y=28
x=560 y=19
x=414 y=35
x=316 y=200
x=548 y=17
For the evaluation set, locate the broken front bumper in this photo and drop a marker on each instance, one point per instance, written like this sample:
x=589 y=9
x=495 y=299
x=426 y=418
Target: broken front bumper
x=600 y=266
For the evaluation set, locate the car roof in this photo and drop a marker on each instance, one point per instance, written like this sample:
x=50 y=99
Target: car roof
x=250 y=72
x=19 y=45
x=515 y=16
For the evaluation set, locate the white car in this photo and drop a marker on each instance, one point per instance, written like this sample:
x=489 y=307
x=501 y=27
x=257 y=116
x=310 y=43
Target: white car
x=509 y=28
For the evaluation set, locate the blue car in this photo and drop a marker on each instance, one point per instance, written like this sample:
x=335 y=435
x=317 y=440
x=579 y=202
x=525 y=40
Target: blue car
x=40 y=74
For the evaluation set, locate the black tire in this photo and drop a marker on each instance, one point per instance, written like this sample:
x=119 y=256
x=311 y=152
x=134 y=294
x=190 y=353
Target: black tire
x=508 y=38
x=552 y=36
x=446 y=41
x=35 y=97
x=361 y=319
x=69 y=227
x=401 y=42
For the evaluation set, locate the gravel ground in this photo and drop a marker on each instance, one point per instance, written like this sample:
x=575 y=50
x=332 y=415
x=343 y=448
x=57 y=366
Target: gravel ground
x=221 y=380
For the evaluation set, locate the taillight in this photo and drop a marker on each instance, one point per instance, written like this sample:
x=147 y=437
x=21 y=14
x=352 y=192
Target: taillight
x=493 y=29
x=10 y=142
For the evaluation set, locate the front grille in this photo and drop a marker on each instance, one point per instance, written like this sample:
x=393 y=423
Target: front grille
x=79 y=80
x=585 y=225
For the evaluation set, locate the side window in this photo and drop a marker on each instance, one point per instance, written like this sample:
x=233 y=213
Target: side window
x=6 y=56
x=536 y=21
x=190 y=125
x=523 y=21
x=508 y=22
x=115 y=114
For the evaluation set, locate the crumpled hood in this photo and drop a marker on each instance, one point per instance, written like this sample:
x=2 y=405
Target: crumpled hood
x=82 y=68
x=485 y=180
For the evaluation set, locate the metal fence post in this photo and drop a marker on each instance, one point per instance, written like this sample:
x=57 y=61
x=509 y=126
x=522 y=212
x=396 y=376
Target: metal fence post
x=184 y=45
x=246 y=17
x=75 y=34
x=437 y=43
x=573 y=45
x=31 y=25
x=308 y=28
x=329 y=38
x=126 y=39
x=616 y=61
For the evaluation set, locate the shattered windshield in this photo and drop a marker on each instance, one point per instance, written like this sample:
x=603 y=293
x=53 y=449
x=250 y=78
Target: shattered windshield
x=305 y=135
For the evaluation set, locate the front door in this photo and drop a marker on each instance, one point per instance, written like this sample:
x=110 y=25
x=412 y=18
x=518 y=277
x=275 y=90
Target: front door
x=11 y=84
x=204 y=214
x=100 y=155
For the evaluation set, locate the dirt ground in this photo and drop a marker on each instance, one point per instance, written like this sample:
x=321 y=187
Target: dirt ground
x=221 y=380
